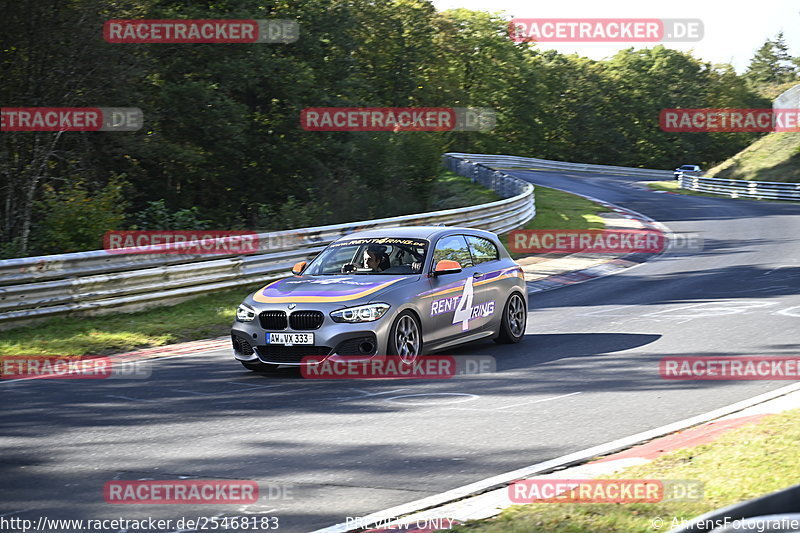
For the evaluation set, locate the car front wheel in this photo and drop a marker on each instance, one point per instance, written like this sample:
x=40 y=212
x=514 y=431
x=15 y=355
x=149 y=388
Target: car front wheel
x=405 y=337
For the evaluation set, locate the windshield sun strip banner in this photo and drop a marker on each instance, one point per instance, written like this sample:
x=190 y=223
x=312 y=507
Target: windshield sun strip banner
x=387 y=241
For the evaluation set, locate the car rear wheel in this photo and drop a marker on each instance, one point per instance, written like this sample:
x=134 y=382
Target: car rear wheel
x=405 y=338
x=259 y=367
x=512 y=325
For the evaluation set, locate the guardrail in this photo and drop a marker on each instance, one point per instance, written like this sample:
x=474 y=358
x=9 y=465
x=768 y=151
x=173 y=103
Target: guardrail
x=500 y=162
x=761 y=190
x=97 y=282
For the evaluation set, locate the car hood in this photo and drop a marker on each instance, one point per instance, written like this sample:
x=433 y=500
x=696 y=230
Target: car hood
x=329 y=289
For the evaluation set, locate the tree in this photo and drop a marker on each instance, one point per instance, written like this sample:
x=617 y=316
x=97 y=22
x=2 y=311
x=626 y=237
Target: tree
x=772 y=63
x=53 y=55
x=222 y=139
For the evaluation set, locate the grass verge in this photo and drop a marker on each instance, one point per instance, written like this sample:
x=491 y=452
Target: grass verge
x=560 y=210
x=742 y=464
x=200 y=318
x=674 y=186
x=773 y=157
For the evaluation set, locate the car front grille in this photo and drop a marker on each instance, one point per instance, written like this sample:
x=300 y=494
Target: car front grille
x=276 y=353
x=306 y=320
x=272 y=320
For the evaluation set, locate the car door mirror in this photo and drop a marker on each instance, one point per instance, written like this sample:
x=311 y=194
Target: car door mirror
x=446 y=266
x=298 y=268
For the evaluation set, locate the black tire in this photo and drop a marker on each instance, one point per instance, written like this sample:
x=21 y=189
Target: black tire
x=259 y=367
x=405 y=337
x=512 y=325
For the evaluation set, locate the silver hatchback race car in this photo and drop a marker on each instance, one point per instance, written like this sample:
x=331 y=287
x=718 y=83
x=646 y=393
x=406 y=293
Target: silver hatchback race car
x=401 y=291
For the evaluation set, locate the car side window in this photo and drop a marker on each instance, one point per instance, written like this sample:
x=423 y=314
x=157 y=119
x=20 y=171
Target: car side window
x=483 y=250
x=454 y=248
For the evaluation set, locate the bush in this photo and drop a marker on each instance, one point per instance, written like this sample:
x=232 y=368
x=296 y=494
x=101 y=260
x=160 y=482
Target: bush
x=12 y=249
x=156 y=216
x=292 y=214
x=74 y=218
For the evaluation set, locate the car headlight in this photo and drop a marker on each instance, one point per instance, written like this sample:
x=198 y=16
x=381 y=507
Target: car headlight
x=245 y=313
x=361 y=313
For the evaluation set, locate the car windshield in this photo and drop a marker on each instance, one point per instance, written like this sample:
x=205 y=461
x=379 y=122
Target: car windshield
x=687 y=167
x=383 y=255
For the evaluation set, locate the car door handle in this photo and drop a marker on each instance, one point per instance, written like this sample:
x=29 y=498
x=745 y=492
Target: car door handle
x=477 y=274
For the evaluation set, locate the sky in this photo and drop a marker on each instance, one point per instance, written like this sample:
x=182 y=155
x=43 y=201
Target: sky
x=733 y=30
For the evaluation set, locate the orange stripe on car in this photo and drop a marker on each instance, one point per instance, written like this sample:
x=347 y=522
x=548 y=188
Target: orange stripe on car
x=461 y=287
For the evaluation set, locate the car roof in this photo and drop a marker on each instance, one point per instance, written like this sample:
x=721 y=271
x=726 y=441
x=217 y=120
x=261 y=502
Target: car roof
x=418 y=232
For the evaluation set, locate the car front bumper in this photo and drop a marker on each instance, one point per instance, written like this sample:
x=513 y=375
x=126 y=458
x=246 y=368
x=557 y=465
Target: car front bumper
x=331 y=340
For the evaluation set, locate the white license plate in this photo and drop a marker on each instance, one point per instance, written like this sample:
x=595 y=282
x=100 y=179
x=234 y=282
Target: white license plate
x=288 y=339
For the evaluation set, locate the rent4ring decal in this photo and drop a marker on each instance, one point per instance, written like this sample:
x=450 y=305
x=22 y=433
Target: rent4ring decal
x=445 y=305
x=463 y=310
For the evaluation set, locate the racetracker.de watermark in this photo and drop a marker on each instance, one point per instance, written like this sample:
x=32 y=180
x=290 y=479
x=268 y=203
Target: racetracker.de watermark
x=605 y=30
x=222 y=31
x=722 y=120
x=729 y=368
x=651 y=241
x=394 y=367
x=551 y=490
x=588 y=241
x=71 y=367
x=71 y=119
x=181 y=242
x=397 y=119
x=181 y=491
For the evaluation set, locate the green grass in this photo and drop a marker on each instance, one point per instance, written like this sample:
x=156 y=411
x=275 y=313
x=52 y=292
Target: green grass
x=200 y=318
x=560 y=210
x=743 y=464
x=773 y=157
x=772 y=90
x=674 y=186
x=450 y=191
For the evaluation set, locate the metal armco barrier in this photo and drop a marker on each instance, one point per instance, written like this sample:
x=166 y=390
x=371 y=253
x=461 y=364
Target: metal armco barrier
x=761 y=190
x=500 y=162
x=98 y=282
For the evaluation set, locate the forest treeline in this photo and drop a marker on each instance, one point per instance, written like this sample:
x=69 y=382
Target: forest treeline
x=222 y=145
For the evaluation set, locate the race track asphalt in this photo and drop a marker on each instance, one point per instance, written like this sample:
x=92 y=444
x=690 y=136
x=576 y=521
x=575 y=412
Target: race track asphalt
x=586 y=373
